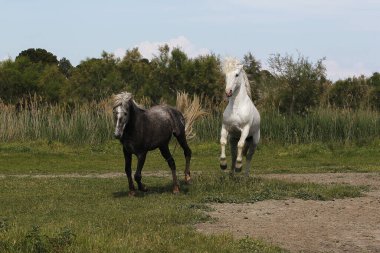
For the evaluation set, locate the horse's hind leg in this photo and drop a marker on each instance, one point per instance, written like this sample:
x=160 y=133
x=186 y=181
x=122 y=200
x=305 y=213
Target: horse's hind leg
x=165 y=152
x=253 y=142
x=233 y=146
x=187 y=152
x=140 y=164
x=251 y=150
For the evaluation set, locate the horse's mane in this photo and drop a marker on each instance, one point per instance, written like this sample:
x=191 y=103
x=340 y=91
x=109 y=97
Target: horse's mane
x=230 y=64
x=123 y=98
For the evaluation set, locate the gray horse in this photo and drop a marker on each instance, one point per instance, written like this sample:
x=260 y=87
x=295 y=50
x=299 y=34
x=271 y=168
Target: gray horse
x=141 y=130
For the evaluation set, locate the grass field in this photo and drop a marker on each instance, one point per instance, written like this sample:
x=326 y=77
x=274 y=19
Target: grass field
x=46 y=214
x=43 y=157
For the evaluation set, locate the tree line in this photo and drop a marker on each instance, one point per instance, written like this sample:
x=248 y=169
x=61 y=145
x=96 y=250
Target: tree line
x=291 y=84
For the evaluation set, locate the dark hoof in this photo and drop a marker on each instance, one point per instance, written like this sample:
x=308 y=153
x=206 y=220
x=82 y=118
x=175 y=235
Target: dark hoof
x=131 y=193
x=238 y=166
x=223 y=163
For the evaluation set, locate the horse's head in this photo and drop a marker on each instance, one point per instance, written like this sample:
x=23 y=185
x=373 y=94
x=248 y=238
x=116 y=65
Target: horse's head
x=233 y=80
x=121 y=112
x=233 y=71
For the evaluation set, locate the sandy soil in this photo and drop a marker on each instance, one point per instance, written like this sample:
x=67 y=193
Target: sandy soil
x=344 y=225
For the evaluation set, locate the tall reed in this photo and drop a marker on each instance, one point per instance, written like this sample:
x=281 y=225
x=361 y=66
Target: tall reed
x=320 y=125
x=92 y=123
x=77 y=124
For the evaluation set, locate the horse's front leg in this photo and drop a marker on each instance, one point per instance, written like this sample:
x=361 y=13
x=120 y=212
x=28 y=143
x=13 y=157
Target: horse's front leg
x=223 y=143
x=240 y=145
x=140 y=164
x=128 y=171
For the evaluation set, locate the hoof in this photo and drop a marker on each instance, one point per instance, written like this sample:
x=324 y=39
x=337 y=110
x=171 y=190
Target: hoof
x=187 y=179
x=176 y=189
x=131 y=193
x=223 y=163
x=238 y=166
x=143 y=188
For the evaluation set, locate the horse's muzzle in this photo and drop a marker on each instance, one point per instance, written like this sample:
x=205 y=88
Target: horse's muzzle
x=229 y=93
x=117 y=136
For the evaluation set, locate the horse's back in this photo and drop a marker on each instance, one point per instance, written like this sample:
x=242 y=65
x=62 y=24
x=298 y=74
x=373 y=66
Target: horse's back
x=168 y=118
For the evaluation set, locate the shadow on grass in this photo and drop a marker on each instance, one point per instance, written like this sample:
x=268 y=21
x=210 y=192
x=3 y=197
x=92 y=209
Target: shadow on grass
x=154 y=189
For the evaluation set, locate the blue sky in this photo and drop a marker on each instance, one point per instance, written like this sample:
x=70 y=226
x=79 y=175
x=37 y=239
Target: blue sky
x=346 y=32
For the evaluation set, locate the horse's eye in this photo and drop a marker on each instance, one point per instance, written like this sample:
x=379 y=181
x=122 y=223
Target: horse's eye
x=237 y=74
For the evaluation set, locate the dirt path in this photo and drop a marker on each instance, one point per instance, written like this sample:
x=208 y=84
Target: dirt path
x=344 y=225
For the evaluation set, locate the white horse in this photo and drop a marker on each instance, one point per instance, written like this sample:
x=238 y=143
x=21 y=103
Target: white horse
x=241 y=120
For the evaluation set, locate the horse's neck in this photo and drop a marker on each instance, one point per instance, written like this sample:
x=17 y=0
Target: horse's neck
x=239 y=97
x=135 y=113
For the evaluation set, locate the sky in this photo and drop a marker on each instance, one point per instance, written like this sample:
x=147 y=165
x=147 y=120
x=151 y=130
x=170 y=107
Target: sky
x=345 y=32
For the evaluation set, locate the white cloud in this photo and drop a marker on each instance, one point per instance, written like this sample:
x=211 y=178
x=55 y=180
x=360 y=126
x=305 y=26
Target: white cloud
x=119 y=52
x=336 y=71
x=150 y=49
x=4 y=58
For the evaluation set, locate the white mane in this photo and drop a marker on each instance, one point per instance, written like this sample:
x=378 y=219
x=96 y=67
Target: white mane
x=121 y=98
x=230 y=64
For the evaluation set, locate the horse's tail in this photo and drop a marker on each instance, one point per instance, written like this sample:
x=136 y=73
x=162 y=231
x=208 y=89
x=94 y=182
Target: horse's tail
x=191 y=110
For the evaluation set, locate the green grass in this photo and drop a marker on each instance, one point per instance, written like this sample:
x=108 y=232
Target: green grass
x=103 y=219
x=96 y=214
x=43 y=157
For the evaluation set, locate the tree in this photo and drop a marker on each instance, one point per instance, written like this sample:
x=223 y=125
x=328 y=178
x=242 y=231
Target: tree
x=159 y=86
x=300 y=82
x=19 y=78
x=94 y=79
x=38 y=55
x=65 y=67
x=51 y=84
x=205 y=77
x=374 y=80
x=135 y=72
x=350 y=93
x=253 y=69
x=374 y=83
